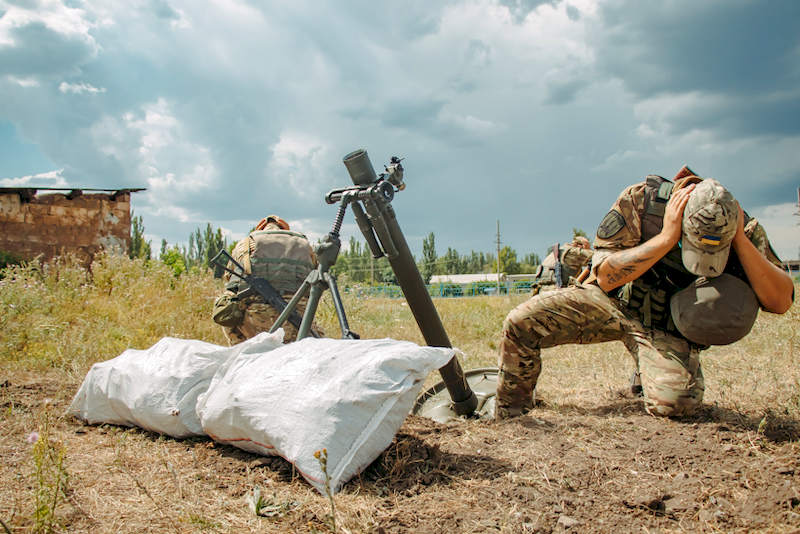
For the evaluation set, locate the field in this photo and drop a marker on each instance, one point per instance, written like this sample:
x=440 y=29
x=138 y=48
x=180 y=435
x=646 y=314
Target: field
x=587 y=459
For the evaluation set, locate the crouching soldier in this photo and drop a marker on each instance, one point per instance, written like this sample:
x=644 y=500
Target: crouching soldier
x=275 y=253
x=678 y=266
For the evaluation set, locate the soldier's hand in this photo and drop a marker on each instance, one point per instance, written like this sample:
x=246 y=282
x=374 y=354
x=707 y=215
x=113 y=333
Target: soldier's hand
x=673 y=214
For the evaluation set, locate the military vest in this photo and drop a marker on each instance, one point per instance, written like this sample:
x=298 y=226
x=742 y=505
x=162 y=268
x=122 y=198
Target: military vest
x=649 y=295
x=280 y=256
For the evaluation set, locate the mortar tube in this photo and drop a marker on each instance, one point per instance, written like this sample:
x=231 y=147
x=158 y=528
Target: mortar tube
x=430 y=324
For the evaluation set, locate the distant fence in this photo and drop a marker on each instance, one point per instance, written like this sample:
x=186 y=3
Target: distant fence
x=473 y=289
x=793 y=266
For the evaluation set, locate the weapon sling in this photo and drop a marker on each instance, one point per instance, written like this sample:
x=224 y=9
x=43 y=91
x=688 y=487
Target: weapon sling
x=258 y=285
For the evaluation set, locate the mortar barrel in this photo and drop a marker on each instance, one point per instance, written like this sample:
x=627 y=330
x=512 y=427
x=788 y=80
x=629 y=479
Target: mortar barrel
x=421 y=304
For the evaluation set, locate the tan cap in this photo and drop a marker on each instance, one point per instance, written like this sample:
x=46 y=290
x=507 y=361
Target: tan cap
x=715 y=311
x=709 y=224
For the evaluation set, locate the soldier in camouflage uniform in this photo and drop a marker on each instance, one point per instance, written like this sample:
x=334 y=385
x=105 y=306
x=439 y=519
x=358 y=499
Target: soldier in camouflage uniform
x=282 y=257
x=646 y=250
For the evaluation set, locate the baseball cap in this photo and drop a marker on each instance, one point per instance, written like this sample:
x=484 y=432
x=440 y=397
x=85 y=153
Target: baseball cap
x=715 y=311
x=709 y=225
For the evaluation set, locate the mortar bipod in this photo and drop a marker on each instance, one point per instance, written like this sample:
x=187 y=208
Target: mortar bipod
x=327 y=251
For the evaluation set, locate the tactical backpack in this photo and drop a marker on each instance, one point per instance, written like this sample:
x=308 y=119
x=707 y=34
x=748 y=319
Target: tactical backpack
x=280 y=256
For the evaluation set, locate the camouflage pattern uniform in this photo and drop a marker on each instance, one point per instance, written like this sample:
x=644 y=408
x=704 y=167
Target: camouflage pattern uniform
x=671 y=375
x=259 y=316
x=573 y=259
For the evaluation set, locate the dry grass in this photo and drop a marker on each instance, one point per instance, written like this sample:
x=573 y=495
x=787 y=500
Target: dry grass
x=588 y=454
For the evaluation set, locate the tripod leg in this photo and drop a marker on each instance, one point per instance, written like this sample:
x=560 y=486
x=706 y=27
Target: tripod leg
x=311 y=310
x=290 y=307
x=337 y=303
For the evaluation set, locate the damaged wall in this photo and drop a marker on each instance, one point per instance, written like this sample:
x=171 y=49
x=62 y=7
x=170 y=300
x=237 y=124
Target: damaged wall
x=58 y=223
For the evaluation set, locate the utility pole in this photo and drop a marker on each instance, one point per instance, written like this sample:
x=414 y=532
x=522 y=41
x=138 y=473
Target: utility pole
x=498 y=257
x=798 y=214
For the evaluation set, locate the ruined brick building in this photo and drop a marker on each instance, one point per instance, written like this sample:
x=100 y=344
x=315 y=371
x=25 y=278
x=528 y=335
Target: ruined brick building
x=77 y=221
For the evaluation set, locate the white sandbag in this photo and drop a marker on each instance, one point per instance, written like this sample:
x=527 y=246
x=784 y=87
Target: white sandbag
x=349 y=397
x=157 y=388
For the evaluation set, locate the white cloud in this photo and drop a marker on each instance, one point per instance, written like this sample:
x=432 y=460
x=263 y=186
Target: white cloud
x=53 y=14
x=299 y=159
x=23 y=82
x=470 y=124
x=45 y=179
x=172 y=212
x=155 y=143
x=79 y=88
x=782 y=223
x=201 y=101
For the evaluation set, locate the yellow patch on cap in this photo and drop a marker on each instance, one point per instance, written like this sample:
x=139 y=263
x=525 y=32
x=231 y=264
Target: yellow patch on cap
x=710 y=239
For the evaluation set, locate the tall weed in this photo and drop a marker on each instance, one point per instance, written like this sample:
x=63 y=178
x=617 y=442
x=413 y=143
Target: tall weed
x=49 y=473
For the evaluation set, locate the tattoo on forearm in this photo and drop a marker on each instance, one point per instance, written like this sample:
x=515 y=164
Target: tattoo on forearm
x=626 y=262
x=619 y=274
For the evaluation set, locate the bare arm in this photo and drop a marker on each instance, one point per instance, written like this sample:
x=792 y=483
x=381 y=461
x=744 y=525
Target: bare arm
x=772 y=285
x=626 y=265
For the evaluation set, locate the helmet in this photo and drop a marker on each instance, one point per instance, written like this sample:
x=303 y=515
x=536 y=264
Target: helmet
x=715 y=311
x=274 y=219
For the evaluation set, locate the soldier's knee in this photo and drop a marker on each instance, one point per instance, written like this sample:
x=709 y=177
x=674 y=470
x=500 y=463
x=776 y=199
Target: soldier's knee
x=516 y=327
x=673 y=403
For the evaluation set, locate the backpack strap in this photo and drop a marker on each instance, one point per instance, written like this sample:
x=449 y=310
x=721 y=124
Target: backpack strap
x=657 y=193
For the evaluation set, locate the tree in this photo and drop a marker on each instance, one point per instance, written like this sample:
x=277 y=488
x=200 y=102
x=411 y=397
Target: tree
x=577 y=232
x=204 y=245
x=508 y=260
x=428 y=257
x=532 y=259
x=139 y=247
x=530 y=262
x=173 y=258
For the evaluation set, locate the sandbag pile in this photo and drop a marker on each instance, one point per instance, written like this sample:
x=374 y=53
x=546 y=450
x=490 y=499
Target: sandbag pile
x=349 y=397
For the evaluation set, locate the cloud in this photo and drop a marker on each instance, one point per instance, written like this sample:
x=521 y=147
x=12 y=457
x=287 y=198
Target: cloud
x=298 y=161
x=45 y=39
x=533 y=112
x=729 y=67
x=79 y=88
x=44 y=179
x=782 y=223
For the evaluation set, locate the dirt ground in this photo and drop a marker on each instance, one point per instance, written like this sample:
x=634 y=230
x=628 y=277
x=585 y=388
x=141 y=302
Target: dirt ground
x=601 y=467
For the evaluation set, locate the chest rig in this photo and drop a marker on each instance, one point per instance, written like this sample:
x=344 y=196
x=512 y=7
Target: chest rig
x=649 y=295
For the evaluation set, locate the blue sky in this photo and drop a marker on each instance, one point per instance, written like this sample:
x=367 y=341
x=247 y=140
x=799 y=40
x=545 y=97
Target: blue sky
x=533 y=113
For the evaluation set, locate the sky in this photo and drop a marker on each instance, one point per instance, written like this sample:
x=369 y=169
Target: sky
x=532 y=113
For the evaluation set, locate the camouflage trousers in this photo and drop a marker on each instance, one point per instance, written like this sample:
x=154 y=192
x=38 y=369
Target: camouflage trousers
x=672 y=380
x=259 y=317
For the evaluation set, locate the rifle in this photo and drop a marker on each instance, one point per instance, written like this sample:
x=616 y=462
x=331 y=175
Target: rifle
x=256 y=285
x=557 y=269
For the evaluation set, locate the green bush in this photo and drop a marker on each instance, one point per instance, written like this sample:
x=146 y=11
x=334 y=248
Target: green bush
x=9 y=258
